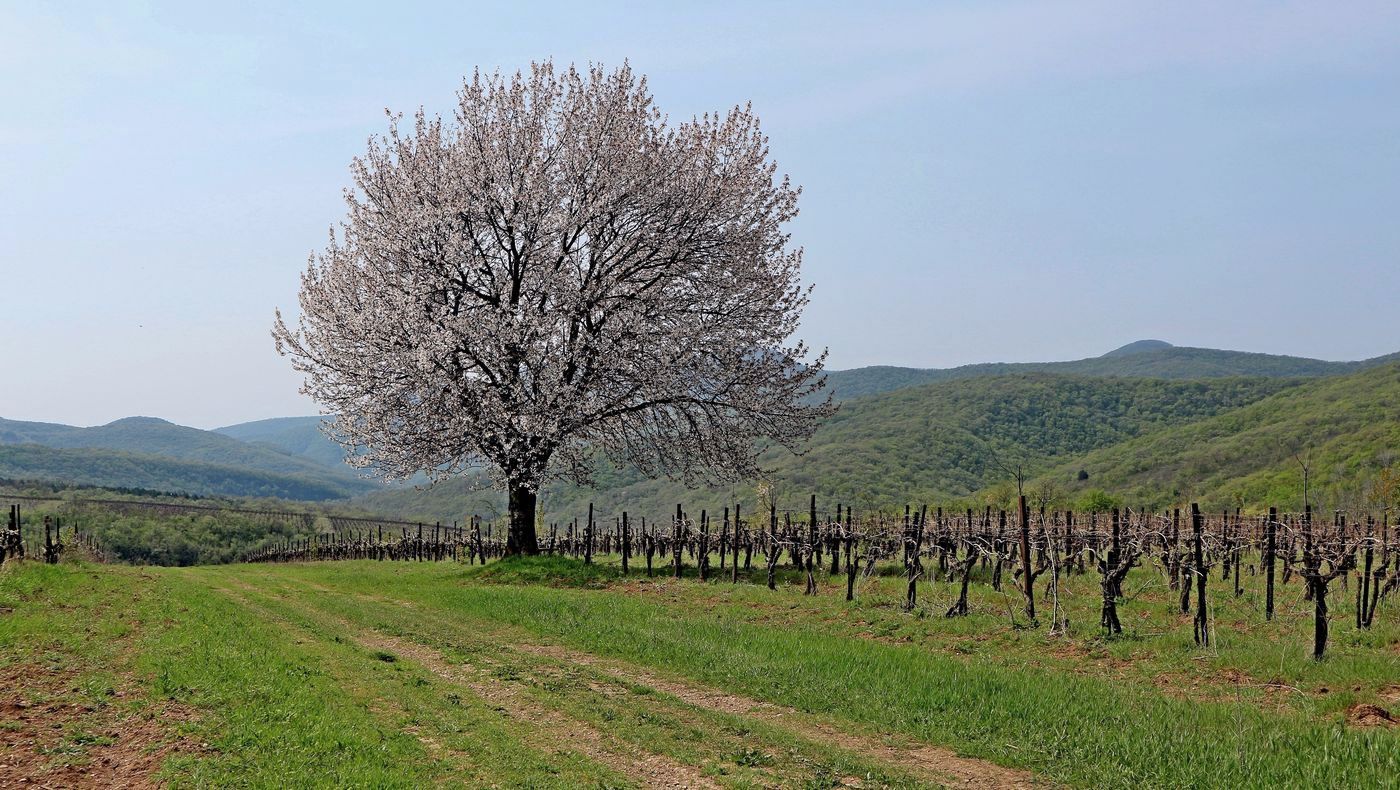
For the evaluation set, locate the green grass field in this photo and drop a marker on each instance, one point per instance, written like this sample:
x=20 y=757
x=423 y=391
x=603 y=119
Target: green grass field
x=547 y=673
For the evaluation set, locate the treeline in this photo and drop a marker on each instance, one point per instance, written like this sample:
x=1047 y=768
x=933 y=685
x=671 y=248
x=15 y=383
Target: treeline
x=160 y=536
x=42 y=487
x=160 y=528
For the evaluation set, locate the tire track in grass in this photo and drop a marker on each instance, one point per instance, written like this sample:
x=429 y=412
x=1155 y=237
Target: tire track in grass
x=943 y=765
x=655 y=770
x=378 y=705
x=938 y=764
x=765 y=755
x=549 y=730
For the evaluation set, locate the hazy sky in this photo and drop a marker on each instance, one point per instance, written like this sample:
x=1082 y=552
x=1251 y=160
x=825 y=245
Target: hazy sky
x=983 y=181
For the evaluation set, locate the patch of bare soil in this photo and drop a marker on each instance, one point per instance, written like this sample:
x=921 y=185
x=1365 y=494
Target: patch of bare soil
x=1367 y=715
x=941 y=765
x=49 y=740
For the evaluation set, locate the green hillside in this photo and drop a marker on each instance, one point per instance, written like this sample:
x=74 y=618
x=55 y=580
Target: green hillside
x=1350 y=425
x=1142 y=359
x=299 y=436
x=928 y=443
x=1154 y=422
x=118 y=469
x=149 y=438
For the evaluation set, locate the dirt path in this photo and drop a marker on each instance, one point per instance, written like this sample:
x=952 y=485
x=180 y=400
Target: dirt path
x=941 y=765
x=550 y=731
x=938 y=764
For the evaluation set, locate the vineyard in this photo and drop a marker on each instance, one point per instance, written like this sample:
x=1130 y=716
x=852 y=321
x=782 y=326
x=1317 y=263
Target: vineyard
x=1028 y=552
x=787 y=647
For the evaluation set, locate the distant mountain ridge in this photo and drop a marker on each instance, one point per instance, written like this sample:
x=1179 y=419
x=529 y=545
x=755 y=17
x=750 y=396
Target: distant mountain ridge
x=299 y=436
x=118 y=469
x=1139 y=347
x=128 y=443
x=903 y=432
x=1140 y=359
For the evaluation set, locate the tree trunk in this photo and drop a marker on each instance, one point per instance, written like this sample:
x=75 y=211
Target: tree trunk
x=521 y=537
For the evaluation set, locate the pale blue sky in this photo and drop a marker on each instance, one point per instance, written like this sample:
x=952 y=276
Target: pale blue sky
x=983 y=181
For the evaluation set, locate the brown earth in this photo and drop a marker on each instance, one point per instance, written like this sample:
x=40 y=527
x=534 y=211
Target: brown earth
x=50 y=737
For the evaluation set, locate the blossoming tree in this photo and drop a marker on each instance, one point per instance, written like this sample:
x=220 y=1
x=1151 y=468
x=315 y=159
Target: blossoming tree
x=559 y=273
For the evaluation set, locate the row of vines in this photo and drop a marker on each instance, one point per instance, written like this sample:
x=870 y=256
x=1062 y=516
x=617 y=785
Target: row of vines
x=1028 y=552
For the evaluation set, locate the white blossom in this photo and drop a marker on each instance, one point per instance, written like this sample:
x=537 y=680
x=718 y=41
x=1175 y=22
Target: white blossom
x=557 y=271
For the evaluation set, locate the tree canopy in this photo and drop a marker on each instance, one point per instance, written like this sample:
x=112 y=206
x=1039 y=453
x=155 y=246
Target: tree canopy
x=560 y=271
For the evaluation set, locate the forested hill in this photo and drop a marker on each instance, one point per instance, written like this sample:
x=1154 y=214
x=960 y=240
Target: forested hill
x=1142 y=359
x=118 y=469
x=1157 y=359
x=295 y=435
x=1344 y=428
x=1147 y=418
x=927 y=443
x=151 y=453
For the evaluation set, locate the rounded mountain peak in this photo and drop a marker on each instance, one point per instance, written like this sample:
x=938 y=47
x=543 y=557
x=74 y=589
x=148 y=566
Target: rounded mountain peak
x=1138 y=347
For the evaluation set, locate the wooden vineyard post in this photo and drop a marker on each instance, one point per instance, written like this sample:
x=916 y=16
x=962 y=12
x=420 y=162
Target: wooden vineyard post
x=588 y=537
x=723 y=539
x=1202 y=627
x=1026 y=559
x=850 y=558
x=626 y=543
x=1270 y=548
x=811 y=548
x=773 y=547
x=677 y=542
x=835 y=542
x=748 y=543
x=702 y=565
x=734 y=566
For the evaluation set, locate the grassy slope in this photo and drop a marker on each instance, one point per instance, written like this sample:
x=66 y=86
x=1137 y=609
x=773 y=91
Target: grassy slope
x=1350 y=424
x=274 y=665
x=927 y=443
